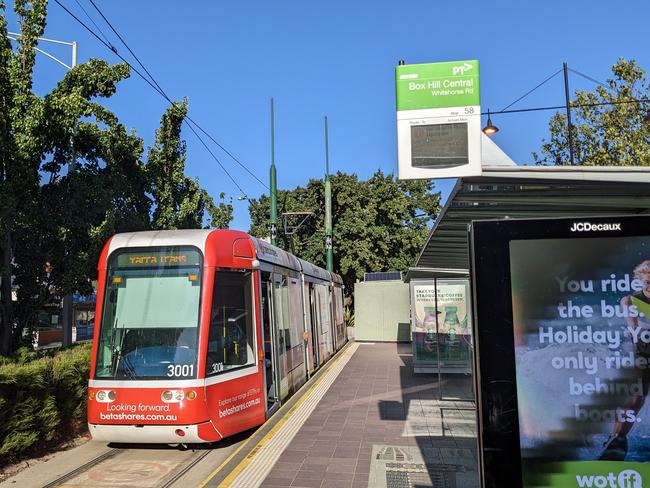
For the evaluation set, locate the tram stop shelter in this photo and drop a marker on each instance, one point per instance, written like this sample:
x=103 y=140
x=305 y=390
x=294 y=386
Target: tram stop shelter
x=503 y=190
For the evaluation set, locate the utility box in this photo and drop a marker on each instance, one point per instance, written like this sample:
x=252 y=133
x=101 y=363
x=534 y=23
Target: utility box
x=382 y=311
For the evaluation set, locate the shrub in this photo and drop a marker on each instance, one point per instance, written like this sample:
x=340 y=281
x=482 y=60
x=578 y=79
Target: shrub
x=41 y=399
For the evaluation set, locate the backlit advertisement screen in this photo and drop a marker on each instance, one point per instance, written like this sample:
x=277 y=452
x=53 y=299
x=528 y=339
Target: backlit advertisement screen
x=562 y=351
x=581 y=323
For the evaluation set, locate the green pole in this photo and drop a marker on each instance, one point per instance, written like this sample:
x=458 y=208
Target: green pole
x=274 y=189
x=328 y=206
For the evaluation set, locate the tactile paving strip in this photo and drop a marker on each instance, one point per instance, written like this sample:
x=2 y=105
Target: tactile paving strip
x=262 y=458
x=406 y=467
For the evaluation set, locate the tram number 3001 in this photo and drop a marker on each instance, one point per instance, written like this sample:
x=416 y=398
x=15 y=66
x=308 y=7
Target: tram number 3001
x=180 y=370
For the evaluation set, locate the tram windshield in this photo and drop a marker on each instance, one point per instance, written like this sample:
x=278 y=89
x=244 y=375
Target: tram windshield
x=150 y=317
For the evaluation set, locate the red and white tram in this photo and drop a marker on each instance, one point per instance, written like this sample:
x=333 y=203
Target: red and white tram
x=203 y=334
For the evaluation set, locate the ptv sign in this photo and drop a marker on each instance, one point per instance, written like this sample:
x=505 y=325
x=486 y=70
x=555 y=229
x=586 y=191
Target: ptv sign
x=438 y=119
x=460 y=70
x=437 y=85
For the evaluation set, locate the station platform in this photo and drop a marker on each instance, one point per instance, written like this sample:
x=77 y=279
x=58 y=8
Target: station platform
x=365 y=420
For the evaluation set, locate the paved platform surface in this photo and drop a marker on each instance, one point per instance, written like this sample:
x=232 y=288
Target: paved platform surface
x=379 y=425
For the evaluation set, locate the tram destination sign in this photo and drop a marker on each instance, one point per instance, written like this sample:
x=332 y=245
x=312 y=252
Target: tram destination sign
x=158 y=258
x=438 y=120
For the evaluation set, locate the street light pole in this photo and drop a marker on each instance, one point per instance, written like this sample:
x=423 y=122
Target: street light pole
x=568 y=112
x=14 y=36
x=68 y=310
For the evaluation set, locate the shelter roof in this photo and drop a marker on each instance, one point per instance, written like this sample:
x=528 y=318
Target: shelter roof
x=511 y=191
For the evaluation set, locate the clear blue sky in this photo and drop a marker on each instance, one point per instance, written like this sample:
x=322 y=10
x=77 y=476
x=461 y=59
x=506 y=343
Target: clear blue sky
x=337 y=58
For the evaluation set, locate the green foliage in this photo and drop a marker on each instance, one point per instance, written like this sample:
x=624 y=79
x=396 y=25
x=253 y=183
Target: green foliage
x=605 y=135
x=348 y=317
x=221 y=214
x=71 y=176
x=379 y=224
x=180 y=201
x=42 y=400
x=70 y=372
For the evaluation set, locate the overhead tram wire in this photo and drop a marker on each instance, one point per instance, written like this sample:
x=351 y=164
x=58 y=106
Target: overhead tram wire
x=152 y=84
x=530 y=91
x=217 y=160
x=108 y=22
x=129 y=49
x=96 y=26
x=577 y=105
x=161 y=92
x=589 y=78
x=227 y=152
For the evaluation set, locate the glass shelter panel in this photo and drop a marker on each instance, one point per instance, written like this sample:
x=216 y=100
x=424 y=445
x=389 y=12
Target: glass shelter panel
x=441 y=325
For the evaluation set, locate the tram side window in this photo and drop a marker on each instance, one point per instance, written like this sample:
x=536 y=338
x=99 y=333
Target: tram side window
x=230 y=342
x=281 y=299
x=323 y=304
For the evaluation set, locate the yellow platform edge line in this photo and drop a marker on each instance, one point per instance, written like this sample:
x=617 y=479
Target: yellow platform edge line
x=249 y=457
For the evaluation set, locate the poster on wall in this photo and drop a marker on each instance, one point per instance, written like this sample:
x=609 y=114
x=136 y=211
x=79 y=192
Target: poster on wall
x=441 y=334
x=579 y=308
x=455 y=336
x=425 y=327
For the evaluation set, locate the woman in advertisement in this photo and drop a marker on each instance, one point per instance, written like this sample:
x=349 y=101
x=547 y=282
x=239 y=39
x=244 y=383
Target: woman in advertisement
x=615 y=448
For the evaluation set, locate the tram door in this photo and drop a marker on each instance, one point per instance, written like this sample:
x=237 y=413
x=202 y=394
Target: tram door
x=270 y=361
x=316 y=338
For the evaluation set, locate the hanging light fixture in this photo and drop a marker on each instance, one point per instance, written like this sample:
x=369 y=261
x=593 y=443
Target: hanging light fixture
x=490 y=129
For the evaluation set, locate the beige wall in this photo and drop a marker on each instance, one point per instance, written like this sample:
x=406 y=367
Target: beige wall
x=382 y=311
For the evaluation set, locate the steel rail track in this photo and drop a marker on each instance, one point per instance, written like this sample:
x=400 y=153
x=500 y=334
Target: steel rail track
x=180 y=473
x=84 y=467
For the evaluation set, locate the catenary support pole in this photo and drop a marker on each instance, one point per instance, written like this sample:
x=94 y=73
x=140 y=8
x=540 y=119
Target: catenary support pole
x=328 y=207
x=274 y=196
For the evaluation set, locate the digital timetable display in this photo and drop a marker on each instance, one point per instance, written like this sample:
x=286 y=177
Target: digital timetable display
x=439 y=145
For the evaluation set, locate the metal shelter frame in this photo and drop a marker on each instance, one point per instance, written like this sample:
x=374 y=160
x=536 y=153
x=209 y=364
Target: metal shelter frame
x=530 y=192
x=506 y=190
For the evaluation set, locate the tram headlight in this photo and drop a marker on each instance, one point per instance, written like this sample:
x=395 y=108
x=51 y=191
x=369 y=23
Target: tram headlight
x=105 y=396
x=191 y=395
x=172 y=396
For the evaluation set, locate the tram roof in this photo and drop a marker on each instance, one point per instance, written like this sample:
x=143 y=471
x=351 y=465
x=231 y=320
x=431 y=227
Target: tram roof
x=181 y=237
x=314 y=271
x=197 y=237
x=530 y=192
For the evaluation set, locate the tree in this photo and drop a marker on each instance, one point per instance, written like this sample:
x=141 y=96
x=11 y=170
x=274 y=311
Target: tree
x=221 y=214
x=54 y=222
x=609 y=128
x=379 y=224
x=180 y=201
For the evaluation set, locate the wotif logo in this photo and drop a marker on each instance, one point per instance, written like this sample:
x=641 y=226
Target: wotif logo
x=588 y=226
x=462 y=69
x=627 y=478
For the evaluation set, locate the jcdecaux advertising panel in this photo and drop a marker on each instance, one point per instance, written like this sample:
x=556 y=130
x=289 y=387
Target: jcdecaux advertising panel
x=438 y=119
x=569 y=345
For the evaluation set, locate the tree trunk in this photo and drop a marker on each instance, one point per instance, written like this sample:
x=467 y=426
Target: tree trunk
x=6 y=315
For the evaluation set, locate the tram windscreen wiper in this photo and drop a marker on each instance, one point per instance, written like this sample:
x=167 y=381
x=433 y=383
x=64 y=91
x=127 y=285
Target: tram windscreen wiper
x=127 y=367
